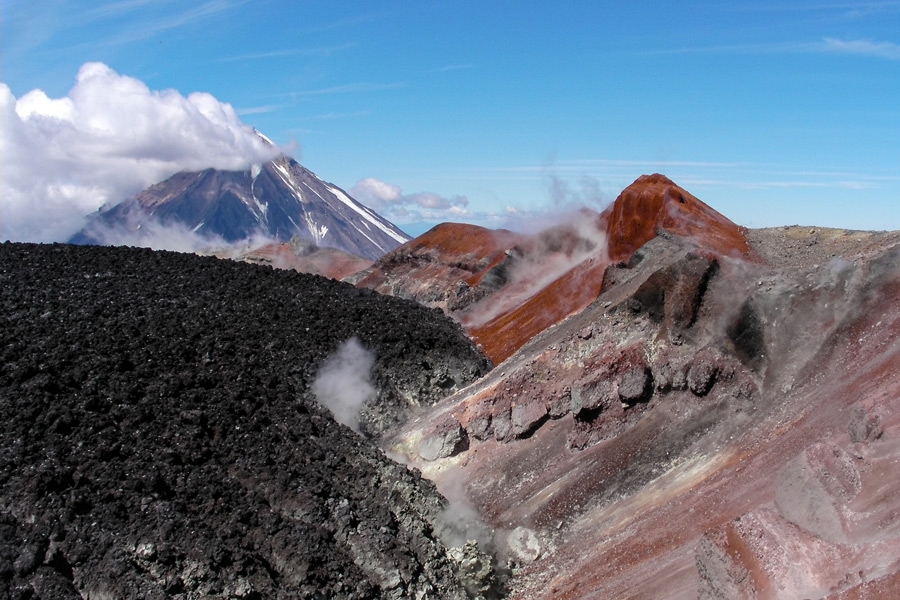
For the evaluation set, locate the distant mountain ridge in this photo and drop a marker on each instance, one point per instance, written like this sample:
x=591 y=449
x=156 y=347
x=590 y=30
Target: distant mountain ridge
x=278 y=200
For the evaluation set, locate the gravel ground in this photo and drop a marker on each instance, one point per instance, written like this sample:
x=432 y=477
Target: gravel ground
x=798 y=246
x=159 y=438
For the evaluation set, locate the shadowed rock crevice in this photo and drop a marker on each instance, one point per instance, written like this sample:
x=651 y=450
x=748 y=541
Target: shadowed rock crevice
x=747 y=337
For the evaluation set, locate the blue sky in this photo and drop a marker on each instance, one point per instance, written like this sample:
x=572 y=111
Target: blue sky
x=774 y=113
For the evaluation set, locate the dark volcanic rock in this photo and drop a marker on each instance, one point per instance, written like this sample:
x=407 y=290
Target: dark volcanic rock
x=159 y=439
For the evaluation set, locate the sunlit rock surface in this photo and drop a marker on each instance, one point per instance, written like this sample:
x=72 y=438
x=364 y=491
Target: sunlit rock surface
x=300 y=255
x=507 y=288
x=681 y=408
x=722 y=421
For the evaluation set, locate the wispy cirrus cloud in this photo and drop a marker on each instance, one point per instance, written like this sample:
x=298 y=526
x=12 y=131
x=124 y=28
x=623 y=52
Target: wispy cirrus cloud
x=288 y=52
x=768 y=184
x=337 y=115
x=154 y=26
x=883 y=50
x=110 y=10
x=348 y=88
x=258 y=110
x=886 y=50
x=39 y=28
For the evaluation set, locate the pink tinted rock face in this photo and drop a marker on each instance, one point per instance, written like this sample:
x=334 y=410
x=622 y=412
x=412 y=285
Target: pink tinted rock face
x=762 y=460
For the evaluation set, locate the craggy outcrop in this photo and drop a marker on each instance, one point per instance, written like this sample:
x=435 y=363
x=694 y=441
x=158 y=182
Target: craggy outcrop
x=159 y=438
x=654 y=204
x=506 y=289
x=443 y=267
x=715 y=424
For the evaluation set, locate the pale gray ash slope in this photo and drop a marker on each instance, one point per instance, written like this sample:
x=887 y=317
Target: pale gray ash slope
x=278 y=200
x=160 y=441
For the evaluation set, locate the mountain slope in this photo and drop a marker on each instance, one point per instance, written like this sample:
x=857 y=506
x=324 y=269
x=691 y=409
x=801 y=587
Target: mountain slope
x=506 y=288
x=302 y=256
x=161 y=440
x=279 y=200
x=721 y=422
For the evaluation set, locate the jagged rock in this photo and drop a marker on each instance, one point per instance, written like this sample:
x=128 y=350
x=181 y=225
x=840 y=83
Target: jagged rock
x=474 y=570
x=747 y=336
x=524 y=546
x=634 y=384
x=448 y=439
x=669 y=372
x=161 y=440
x=560 y=403
x=502 y=425
x=592 y=393
x=480 y=427
x=866 y=425
x=527 y=414
x=701 y=374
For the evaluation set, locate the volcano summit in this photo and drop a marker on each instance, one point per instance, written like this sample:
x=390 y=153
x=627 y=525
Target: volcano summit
x=277 y=201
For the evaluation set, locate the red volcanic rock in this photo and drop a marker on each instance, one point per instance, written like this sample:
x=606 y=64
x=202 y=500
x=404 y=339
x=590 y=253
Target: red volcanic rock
x=500 y=337
x=305 y=257
x=761 y=457
x=431 y=266
x=506 y=288
x=653 y=203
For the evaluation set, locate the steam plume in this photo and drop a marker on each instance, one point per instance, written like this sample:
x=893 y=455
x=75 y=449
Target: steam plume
x=344 y=384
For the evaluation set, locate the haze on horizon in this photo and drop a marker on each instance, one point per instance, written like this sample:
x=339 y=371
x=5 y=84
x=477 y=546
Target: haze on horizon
x=773 y=113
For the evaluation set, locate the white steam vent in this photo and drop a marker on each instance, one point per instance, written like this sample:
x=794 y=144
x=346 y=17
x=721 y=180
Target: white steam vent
x=344 y=382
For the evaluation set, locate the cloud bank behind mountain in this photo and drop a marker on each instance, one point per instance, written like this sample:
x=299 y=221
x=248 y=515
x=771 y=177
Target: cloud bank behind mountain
x=110 y=137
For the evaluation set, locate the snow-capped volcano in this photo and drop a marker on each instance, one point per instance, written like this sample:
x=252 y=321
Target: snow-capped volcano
x=279 y=200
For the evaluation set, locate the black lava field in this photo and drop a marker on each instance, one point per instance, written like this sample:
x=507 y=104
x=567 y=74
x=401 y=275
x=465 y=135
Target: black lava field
x=159 y=438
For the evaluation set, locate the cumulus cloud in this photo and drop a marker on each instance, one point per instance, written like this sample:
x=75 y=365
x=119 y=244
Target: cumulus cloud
x=343 y=385
x=111 y=137
x=390 y=201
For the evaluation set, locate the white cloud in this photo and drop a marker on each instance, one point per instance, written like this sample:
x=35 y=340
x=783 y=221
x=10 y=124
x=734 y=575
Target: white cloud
x=376 y=193
x=869 y=48
x=389 y=200
x=108 y=139
x=887 y=50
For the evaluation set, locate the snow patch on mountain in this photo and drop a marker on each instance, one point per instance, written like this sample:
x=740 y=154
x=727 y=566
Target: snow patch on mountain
x=368 y=215
x=276 y=200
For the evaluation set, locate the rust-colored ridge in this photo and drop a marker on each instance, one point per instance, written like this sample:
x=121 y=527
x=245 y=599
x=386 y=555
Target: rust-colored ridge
x=567 y=295
x=655 y=202
x=470 y=248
